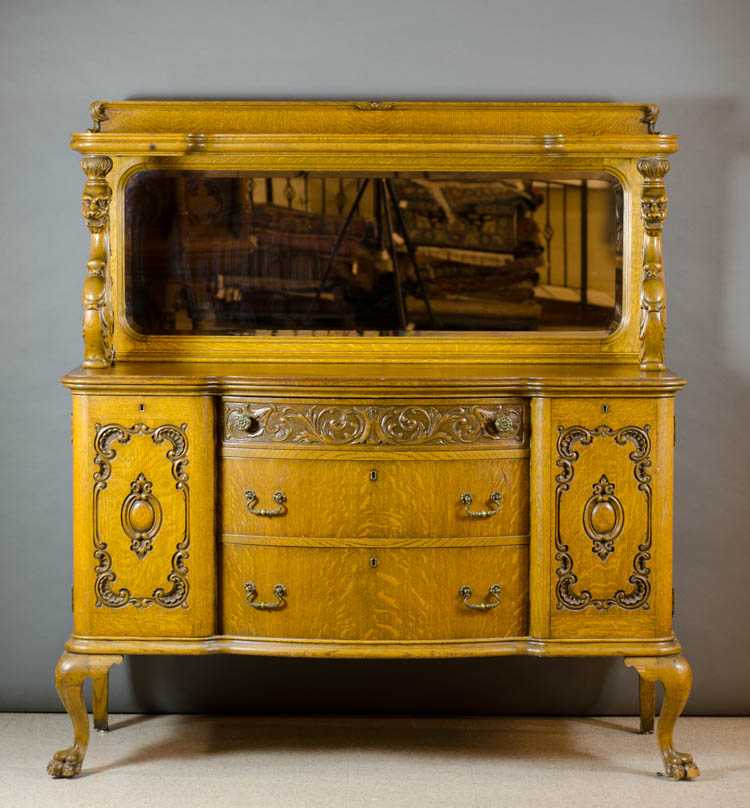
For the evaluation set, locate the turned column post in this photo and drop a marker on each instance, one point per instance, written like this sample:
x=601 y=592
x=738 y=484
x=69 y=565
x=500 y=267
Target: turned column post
x=653 y=291
x=97 y=320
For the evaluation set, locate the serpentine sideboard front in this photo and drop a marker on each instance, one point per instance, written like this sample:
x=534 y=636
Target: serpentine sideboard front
x=295 y=433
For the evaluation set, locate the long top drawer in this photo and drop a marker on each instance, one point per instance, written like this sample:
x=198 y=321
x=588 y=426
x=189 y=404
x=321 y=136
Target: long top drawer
x=500 y=424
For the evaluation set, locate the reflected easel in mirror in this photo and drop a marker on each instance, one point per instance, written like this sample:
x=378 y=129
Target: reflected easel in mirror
x=384 y=198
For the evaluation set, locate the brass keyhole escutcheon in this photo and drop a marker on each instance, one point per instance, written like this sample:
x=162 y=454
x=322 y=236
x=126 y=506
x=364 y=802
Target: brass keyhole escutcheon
x=373 y=562
x=373 y=475
x=605 y=409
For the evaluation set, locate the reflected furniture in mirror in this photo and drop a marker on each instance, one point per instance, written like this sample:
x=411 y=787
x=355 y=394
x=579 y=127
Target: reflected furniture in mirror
x=373 y=380
x=212 y=252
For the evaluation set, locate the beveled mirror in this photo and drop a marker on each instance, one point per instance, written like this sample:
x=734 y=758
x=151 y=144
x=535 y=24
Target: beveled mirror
x=363 y=254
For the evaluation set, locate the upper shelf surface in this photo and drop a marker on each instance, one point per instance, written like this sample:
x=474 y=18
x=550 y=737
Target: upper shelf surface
x=179 y=126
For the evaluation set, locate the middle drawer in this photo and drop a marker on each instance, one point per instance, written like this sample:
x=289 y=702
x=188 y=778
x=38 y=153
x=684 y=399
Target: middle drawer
x=389 y=498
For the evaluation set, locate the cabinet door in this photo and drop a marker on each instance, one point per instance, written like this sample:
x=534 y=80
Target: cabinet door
x=602 y=520
x=143 y=516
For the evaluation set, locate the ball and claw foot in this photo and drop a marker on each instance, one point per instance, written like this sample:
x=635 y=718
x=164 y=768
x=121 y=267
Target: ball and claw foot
x=70 y=674
x=65 y=763
x=680 y=766
x=674 y=673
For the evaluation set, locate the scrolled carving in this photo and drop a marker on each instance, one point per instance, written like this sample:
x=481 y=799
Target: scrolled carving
x=373 y=106
x=104 y=444
x=650 y=116
x=567 y=455
x=98 y=115
x=654 y=209
x=97 y=317
x=311 y=424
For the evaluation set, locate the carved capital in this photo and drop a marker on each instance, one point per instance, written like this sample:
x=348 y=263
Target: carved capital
x=654 y=209
x=653 y=168
x=96 y=193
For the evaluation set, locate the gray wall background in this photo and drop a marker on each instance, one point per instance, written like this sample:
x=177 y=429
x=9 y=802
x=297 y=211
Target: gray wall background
x=690 y=57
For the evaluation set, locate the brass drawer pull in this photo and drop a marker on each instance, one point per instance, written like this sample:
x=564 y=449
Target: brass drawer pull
x=279 y=498
x=251 y=593
x=495 y=500
x=492 y=602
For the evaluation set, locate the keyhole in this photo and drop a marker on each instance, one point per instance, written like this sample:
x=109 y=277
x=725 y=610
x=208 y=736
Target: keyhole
x=142 y=407
x=373 y=475
x=374 y=562
x=605 y=408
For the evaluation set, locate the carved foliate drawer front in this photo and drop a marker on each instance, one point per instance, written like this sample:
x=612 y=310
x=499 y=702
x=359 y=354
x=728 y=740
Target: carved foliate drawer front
x=374 y=498
x=375 y=594
x=144 y=538
x=611 y=517
x=498 y=424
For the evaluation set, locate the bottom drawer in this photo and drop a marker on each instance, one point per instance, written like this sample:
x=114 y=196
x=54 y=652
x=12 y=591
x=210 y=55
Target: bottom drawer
x=373 y=594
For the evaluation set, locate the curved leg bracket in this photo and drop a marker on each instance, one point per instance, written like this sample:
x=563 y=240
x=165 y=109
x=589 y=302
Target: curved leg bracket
x=70 y=674
x=676 y=677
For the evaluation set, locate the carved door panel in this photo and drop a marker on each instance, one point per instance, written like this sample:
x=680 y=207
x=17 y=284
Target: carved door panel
x=144 y=516
x=608 y=535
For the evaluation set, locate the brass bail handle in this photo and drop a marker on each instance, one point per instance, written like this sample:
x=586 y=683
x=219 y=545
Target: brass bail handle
x=492 y=598
x=495 y=501
x=251 y=594
x=279 y=498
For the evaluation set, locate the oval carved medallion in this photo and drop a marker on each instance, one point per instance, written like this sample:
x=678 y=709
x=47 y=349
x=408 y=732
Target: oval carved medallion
x=141 y=516
x=603 y=518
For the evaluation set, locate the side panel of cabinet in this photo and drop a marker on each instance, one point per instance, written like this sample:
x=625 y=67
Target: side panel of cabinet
x=602 y=518
x=144 y=522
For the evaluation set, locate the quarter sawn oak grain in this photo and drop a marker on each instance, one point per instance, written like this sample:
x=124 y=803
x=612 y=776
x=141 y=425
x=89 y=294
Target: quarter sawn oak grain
x=189 y=539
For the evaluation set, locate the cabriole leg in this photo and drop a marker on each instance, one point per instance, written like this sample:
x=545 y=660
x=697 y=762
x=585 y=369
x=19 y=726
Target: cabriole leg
x=676 y=677
x=100 y=700
x=70 y=674
x=647 y=700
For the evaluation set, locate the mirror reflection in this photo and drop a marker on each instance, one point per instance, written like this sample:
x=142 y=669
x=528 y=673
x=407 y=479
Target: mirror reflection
x=365 y=254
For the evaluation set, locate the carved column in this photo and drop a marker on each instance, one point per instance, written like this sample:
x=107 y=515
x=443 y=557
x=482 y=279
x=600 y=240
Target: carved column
x=97 y=320
x=653 y=291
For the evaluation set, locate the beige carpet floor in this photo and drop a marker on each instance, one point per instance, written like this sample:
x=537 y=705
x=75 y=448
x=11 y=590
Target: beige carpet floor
x=223 y=762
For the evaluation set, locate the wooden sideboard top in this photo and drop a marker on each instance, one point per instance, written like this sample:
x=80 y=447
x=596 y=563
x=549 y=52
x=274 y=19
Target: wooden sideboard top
x=228 y=378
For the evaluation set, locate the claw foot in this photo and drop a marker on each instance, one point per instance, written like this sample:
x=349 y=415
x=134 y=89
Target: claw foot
x=71 y=672
x=676 y=677
x=65 y=763
x=680 y=766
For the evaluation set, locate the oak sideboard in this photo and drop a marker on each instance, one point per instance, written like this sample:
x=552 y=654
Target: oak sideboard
x=373 y=379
